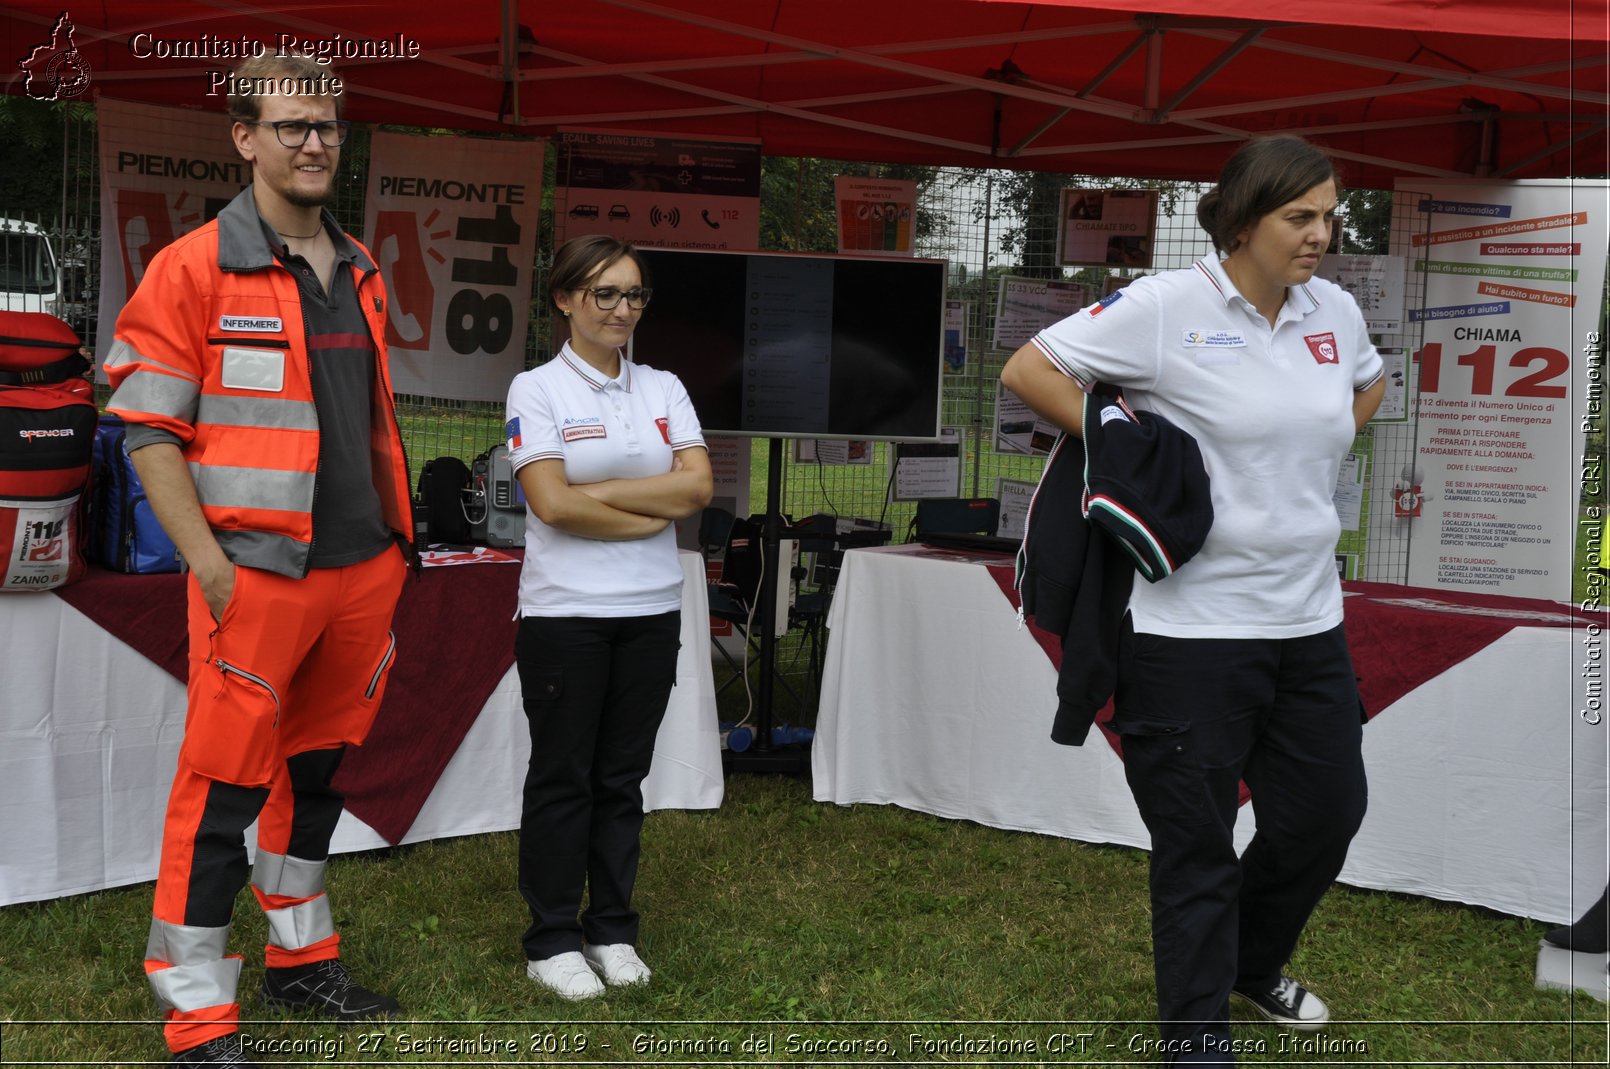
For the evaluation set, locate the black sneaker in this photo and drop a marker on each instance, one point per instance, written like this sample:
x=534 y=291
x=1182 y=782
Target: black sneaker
x=1289 y=1003
x=1590 y=935
x=325 y=987
x=225 y=1050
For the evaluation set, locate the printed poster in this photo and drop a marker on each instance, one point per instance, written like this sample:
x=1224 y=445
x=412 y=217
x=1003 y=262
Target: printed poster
x=957 y=314
x=1106 y=227
x=877 y=216
x=1395 y=402
x=1017 y=428
x=929 y=469
x=1512 y=277
x=729 y=471
x=1015 y=496
x=832 y=451
x=452 y=223
x=1376 y=283
x=657 y=192
x=164 y=172
x=1348 y=495
x=1026 y=306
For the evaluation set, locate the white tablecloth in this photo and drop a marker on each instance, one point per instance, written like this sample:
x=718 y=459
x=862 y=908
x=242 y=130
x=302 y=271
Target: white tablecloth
x=1485 y=785
x=90 y=730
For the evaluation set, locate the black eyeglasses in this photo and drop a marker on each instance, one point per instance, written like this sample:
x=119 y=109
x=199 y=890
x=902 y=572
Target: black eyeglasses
x=609 y=297
x=293 y=132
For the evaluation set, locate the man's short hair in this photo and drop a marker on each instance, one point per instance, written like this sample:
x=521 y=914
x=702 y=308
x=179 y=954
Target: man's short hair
x=269 y=68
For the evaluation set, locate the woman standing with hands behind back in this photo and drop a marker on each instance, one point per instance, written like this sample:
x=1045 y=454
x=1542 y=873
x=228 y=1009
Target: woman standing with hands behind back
x=609 y=453
x=1236 y=666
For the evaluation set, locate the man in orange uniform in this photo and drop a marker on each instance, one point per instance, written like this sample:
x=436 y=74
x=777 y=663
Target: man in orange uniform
x=250 y=365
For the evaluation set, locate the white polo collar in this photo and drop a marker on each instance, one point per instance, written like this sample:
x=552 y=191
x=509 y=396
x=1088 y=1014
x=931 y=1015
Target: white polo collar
x=592 y=376
x=1300 y=300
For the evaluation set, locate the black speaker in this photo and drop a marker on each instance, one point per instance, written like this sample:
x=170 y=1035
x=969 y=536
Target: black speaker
x=958 y=515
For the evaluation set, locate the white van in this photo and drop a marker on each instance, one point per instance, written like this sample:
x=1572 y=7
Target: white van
x=29 y=278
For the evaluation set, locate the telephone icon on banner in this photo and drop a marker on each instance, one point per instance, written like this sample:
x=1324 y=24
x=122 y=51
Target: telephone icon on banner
x=413 y=294
x=704 y=213
x=1407 y=496
x=1406 y=502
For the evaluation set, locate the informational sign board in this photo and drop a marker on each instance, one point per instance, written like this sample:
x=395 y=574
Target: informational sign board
x=452 y=223
x=1395 y=369
x=1512 y=276
x=957 y=314
x=1015 y=495
x=1349 y=492
x=1376 y=283
x=877 y=216
x=1106 y=227
x=656 y=191
x=832 y=451
x=730 y=471
x=929 y=469
x=1026 y=306
x=1017 y=428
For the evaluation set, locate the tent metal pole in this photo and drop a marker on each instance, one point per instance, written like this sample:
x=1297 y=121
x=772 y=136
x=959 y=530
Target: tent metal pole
x=511 y=55
x=983 y=298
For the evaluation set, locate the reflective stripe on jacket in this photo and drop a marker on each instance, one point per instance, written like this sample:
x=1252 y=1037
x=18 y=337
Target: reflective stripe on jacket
x=212 y=348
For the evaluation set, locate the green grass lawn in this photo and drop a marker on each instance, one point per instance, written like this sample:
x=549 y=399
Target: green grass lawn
x=777 y=917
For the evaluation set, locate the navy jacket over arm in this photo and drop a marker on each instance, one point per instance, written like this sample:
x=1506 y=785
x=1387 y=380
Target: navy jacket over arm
x=1133 y=494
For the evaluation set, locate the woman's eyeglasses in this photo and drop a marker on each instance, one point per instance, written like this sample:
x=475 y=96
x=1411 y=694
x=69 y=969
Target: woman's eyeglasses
x=609 y=297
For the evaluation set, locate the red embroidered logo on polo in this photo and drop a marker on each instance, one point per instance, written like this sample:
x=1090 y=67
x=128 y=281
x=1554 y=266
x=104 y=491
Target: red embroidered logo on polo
x=664 y=424
x=1323 y=346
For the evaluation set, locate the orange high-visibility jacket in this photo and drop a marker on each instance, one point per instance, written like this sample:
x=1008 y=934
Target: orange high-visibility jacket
x=212 y=348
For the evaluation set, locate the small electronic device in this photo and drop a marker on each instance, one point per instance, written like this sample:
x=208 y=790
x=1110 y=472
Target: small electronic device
x=501 y=523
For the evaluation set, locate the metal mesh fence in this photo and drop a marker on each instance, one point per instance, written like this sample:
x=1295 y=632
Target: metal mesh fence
x=984 y=223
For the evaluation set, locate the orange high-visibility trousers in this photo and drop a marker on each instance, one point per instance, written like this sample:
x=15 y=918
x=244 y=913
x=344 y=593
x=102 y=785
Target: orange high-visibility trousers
x=294 y=672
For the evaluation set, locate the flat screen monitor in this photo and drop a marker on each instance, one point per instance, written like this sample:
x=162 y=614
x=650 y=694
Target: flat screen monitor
x=777 y=345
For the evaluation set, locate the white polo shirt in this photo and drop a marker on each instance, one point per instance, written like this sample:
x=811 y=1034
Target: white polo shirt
x=1271 y=409
x=627 y=427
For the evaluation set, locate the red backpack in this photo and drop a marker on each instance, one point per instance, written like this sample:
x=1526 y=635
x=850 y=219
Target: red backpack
x=47 y=436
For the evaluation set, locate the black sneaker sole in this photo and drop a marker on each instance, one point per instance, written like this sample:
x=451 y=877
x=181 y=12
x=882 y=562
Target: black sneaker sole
x=287 y=1006
x=1282 y=1019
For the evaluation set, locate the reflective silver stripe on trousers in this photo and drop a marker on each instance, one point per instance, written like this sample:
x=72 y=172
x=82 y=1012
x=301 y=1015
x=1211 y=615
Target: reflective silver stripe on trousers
x=292 y=877
x=253 y=488
x=187 y=988
x=152 y=391
x=302 y=925
x=278 y=413
x=200 y=975
x=184 y=944
x=123 y=353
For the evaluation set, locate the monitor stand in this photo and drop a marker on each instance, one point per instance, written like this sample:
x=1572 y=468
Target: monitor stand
x=762 y=756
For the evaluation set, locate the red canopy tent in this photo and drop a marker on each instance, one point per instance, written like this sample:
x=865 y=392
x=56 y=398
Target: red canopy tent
x=1391 y=87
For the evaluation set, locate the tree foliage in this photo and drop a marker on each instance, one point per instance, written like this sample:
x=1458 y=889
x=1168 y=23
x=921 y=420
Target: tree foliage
x=1366 y=221
x=1025 y=207
x=31 y=167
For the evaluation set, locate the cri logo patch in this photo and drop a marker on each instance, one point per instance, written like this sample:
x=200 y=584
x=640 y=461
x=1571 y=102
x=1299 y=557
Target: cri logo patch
x=1323 y=346
x=664 y=425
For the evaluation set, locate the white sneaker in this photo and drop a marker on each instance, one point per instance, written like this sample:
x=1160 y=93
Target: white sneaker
x=566 y=975
x=617 y=963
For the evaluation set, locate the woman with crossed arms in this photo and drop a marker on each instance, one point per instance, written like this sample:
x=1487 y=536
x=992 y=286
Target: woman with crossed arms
x=609 y=453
